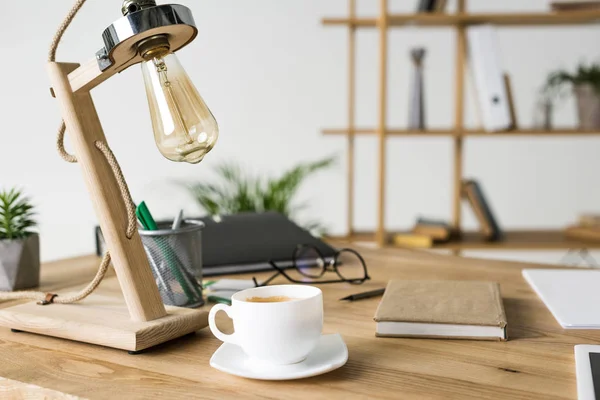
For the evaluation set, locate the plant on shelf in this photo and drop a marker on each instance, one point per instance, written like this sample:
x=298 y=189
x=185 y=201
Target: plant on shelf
x=239 y=191
x=19 y=244
x=585 y=84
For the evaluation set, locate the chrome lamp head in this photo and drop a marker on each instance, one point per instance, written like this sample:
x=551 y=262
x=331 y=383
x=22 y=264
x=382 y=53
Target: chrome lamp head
x=150 y=34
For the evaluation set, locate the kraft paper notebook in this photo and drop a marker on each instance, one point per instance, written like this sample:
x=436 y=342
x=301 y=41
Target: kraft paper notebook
x=442 y=309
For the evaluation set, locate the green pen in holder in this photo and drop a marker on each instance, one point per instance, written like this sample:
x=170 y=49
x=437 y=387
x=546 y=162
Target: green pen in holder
x=175 y=258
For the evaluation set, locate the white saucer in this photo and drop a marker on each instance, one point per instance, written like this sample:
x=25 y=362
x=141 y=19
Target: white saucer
x=331 y=353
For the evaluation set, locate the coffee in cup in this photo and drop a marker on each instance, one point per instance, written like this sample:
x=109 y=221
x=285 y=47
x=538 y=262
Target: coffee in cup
x=271 y=299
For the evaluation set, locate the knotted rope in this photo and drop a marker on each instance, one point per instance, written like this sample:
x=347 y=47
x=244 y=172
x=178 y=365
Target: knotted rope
x=48 y=298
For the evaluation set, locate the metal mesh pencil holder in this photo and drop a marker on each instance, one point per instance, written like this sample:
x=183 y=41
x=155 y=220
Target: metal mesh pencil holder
x=175 y=256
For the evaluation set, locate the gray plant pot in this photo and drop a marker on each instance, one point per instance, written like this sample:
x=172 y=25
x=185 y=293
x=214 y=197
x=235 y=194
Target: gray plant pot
x=20 y=263
x=588 y=106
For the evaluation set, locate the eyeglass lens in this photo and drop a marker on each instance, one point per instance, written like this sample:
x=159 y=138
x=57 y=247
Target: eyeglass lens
x=309 y=262
x=349 y=266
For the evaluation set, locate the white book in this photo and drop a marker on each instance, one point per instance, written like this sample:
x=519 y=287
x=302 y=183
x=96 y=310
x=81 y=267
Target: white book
x=484 y=56
x=571 y=295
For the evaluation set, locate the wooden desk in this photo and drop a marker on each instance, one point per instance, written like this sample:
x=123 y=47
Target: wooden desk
x=536 y=363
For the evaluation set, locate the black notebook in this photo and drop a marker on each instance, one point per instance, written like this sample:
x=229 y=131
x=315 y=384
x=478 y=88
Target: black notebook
x=245 y=242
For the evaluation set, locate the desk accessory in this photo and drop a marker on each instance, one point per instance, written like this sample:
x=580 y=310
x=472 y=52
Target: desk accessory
x=145 y=217
x=175 y=257
x=587 y=369
x=571 y=295
x=442 y=310
x=177 y=221
x=184 y=130
x=309 y=266
x=329 y=354
x=283 y=329
x=364 y=295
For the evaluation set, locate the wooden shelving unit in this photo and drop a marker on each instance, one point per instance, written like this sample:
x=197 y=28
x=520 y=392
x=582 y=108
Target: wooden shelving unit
x=527 y=239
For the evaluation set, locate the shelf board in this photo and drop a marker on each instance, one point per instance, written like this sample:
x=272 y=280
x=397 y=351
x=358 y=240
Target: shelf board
x=470 y=132
x=502 y=19
x=513 y=240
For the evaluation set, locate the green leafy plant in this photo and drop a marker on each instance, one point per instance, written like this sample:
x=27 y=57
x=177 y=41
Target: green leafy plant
x=239 y=191
x=16 y=215
x=559 y=81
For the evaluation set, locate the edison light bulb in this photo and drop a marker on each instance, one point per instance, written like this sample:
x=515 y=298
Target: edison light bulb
x=184 y=127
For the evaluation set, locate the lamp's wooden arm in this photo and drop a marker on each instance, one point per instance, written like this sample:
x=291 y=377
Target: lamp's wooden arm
x=89 y=75
x=83 y=126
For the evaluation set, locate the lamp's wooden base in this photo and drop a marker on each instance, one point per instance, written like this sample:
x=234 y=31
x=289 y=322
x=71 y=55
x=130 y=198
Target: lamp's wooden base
x=104 y=321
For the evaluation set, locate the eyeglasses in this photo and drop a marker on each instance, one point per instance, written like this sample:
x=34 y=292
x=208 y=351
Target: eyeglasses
x=309 y=267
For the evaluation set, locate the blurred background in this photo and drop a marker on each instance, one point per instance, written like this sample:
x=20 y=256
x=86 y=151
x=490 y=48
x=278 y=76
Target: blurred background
x=273 y=76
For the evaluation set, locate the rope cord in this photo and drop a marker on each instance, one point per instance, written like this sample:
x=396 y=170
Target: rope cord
x=48 y=298
x=116 y=168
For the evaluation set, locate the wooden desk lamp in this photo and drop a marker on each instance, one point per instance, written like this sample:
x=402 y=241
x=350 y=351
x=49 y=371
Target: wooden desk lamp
x=184 y=130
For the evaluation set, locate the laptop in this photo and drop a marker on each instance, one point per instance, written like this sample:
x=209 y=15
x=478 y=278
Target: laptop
x=245 y=242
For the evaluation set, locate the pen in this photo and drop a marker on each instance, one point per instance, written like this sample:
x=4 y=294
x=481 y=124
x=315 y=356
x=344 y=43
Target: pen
x=364 y=295
x=178 y=220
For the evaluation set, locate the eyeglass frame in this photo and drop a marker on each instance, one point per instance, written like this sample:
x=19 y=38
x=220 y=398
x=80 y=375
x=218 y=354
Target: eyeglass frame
x=328 y=266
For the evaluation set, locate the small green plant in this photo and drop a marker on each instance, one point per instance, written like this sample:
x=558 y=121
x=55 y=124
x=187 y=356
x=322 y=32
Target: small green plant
x=16 y=215
x=239 y=191
x=559 y=81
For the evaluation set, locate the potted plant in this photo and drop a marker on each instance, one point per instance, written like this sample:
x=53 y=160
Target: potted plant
x=585 y=84
x=239 y=191
x=19 y=245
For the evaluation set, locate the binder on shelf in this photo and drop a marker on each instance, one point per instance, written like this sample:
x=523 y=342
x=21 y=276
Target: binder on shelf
x=489 y=78
x=472 y=192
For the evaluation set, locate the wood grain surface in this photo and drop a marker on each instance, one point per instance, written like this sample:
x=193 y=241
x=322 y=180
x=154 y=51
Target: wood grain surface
x=14 y=390
x=536 y=363
x=103 y=320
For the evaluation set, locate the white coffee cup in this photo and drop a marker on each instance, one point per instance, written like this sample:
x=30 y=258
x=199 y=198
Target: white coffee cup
x=275 y=332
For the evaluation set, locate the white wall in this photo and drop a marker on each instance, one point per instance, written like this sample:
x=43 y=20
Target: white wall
x=273 y=77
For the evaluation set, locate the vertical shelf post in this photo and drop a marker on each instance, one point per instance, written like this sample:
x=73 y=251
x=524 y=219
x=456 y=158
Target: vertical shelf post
x=461 y=59
x=382 y=24
x=351 y=108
